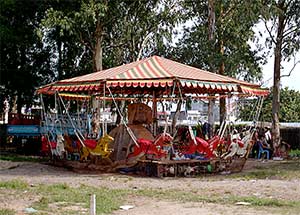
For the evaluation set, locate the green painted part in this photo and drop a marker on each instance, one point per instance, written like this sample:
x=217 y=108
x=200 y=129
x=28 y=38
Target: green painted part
x=146 y=71
x=209 y=168
x=156 y=67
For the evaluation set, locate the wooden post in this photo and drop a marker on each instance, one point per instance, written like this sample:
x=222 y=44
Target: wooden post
x=93 y=205
x=154 y=114
x=211 y=38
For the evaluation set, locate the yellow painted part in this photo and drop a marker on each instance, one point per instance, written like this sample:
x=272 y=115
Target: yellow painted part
x=102 y=148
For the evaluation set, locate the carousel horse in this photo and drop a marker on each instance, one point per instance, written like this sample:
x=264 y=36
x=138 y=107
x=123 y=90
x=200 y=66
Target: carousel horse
x=238 y=146
x=154 y=148
x=199 y=145
x=100 y=149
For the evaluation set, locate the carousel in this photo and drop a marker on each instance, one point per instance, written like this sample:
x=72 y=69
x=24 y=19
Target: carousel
x=77 y=133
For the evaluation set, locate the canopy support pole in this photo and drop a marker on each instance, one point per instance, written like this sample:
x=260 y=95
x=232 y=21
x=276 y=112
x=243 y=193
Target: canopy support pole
x=104 y=126
x=154 y=114
x=130 y=132
x=211 y=115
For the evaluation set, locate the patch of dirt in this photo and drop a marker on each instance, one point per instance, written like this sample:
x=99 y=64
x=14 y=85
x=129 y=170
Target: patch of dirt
x=148 y=206
x=37 y=173
x=16 y=201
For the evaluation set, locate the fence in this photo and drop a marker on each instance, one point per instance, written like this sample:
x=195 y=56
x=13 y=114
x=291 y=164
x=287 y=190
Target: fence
x=291 y=136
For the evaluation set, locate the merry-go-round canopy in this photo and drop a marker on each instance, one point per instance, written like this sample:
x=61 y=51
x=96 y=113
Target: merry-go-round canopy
x=153 y=74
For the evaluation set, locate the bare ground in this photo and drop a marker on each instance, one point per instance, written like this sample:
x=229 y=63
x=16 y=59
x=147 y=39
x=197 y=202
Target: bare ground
x=36 y=173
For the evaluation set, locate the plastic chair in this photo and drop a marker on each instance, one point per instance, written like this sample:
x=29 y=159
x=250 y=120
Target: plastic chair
x=262 y=150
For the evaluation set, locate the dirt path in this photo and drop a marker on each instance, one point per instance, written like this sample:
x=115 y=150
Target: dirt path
x=147 y=206
x=36 y=173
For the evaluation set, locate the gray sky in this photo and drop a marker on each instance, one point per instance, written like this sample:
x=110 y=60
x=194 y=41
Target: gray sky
x=293 y=81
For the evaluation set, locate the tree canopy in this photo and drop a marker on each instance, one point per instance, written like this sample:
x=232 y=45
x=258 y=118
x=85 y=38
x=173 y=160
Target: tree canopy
x=25 y=61
x=289 y=110
x=284 y=39
x=233 y=31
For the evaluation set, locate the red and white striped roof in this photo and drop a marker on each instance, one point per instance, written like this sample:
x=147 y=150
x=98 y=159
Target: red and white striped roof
x=154 y=67
x=154 y=71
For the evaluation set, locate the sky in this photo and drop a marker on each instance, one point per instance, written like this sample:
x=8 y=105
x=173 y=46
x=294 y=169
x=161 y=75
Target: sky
x=293 y=81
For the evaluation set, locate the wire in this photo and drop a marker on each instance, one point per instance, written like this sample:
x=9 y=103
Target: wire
x=131 y=134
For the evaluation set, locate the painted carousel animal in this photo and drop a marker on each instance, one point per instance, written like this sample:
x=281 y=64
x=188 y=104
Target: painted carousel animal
x=239 y=147
x=101 y=148
x=155 y=149
x=198 y=145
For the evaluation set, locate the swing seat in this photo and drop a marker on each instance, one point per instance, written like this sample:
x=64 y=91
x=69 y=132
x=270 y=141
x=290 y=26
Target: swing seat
x=90 y=143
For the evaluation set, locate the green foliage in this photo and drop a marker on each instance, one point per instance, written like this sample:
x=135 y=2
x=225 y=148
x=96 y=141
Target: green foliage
x=289 y=107
x=117 y=27
x=233 y=28
x=24 y=62
x=294 y=153
x=290 y=40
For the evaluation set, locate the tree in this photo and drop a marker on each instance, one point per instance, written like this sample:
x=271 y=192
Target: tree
x=289 y=110
x=111 y=32
x=229 y=53
x=284 y=38
x=24 y=60
x=211 y=35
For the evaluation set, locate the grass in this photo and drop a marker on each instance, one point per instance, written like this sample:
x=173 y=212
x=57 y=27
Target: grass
x=5 y=211
x=282 y=170
x=224 y=199
x=107 y=200
x=13 y=184
x=70 y=200
x=21 y=158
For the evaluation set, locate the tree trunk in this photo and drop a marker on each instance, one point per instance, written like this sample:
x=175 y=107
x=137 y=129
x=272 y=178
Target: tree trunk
x=222 y=72
x=20 y=102
x=276 y=83
x=19 y=89
x=60 y=60
x=222 y=110
x=222 y=100
x=98 y=52
x=211 y=30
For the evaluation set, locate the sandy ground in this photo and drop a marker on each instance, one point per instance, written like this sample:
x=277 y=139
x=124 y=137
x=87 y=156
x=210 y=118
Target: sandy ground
x=36 y=173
